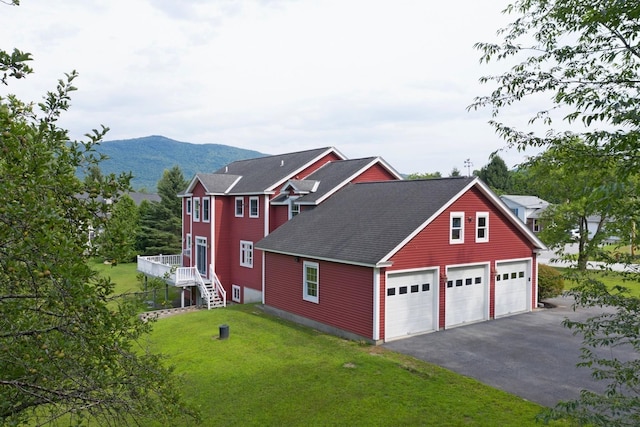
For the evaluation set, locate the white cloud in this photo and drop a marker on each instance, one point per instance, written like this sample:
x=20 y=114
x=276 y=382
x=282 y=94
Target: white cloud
x=370 y=77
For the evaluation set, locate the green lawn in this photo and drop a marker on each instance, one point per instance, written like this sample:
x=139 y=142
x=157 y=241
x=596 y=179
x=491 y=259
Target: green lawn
x=271 y=372
x=609 y=278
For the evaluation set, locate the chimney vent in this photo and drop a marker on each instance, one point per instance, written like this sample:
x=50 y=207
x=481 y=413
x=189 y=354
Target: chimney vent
x=281 y=163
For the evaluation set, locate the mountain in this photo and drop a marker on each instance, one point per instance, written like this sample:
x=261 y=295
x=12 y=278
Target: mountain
x=148 y=157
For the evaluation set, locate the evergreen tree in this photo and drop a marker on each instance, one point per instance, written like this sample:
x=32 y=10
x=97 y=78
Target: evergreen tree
x=496 y=175
x=117 y=241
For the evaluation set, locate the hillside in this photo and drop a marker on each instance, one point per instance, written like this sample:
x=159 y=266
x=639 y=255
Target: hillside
x=148 y=157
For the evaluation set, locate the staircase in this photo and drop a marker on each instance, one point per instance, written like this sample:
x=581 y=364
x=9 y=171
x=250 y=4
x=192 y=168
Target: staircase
x=211 y=295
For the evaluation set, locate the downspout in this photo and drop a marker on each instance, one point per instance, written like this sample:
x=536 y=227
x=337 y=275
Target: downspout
x=266 y=233
x=376 y=304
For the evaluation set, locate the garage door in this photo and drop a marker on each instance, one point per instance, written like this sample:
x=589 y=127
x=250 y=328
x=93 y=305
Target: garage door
x=409 y=303
x=466 y=295
x=512 y=284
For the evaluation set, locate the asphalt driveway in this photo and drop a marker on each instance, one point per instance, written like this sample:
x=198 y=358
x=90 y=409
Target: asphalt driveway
x=530 y=355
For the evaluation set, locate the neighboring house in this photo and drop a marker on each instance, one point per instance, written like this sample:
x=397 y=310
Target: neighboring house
x=384 y=260
x=226 y=212
x=528 y=208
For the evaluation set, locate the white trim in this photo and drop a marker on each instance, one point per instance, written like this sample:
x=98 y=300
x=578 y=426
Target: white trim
x=246 y=254
x=201 y=241
x=460 y=239
x=235 y=207
x=305 y=166
x=484 y=215
x=374 y=161
x=292 y=202
x=255 y=199
x=338 y=261
x=208 y=203
x=305 y=294
x=486 y=283
x=188 y=203
x=530 y=261
x=376 y=304
x=234 y=289
x=497 y=202
x=196 y=209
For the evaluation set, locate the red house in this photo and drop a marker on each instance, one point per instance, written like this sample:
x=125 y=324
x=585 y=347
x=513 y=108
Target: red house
x=225 y=212
x=384 y=260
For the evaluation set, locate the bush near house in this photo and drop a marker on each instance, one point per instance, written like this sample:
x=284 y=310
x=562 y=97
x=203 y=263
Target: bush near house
x=550 y=282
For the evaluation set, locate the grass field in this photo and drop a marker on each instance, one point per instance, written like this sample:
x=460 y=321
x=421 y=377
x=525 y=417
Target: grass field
x=274 y=373
x=609 y=278
x=271 y=372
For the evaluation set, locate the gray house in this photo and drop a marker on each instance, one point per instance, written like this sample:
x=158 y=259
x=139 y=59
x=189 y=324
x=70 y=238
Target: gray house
x=527 y=208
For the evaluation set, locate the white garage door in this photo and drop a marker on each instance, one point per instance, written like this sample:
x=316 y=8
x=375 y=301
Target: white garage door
x=512 y=287
x=409 y=303
x=466 y=295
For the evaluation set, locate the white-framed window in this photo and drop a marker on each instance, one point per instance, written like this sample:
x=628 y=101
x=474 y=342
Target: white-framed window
x=201 y=255
x=536 y=226
x=196 y=209
x=456 y=227
x=239 y=206
x=187 y=245
x=235 y=293
x=206 y=215
x=254 y=207
x=294 y=208
x=188 y=206
x=311 y=282
x=482 y=227
x=246 y=253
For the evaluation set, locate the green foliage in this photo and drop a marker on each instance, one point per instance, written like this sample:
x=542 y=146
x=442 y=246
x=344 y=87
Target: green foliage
x=550 y=282
x=117 y=241
x=455 y=172
x=67 y=344
x=585 y=57
x=161 y=223
x=619 y=326
x=496 y=175
x=426 y=175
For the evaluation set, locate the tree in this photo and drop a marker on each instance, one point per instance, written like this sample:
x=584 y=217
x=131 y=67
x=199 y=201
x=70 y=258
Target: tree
x=584 y=55
x=454 y=172
x=161 y=223
x=117 y=241
x=579 y=192
x=426 y=175
x=68 y=346
x=496 y=175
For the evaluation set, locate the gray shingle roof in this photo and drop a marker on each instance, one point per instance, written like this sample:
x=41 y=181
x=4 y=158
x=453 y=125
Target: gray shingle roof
x=266 y=173
x=331 y=176
x=364 y=222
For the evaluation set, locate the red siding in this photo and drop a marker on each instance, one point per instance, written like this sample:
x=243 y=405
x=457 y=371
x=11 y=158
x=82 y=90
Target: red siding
x=316 y=165
x=278 y=216
x=375 y=173
x=345 y=293
x=431 y=247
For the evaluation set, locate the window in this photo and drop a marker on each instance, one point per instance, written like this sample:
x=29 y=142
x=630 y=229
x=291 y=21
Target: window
x=311 y=283
x=391 y=292
x=425 y=287
x=536 y=226
x=246 y=254
x=235 y=293
x=253 y=207
x=187 y=245
x=196 y=209
x=201 y=255
x=205 y=209
x=294 y=208
x=239 y=206
x=457 y=227
x=188 y=206
x=482 y=227
x=415 y=288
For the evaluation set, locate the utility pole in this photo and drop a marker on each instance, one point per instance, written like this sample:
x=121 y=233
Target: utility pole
x=468 y=164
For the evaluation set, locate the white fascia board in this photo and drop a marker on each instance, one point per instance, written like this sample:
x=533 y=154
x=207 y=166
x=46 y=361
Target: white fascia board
x=306 y=165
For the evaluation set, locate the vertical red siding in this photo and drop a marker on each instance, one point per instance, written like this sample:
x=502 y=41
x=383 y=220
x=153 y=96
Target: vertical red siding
x=345 y=293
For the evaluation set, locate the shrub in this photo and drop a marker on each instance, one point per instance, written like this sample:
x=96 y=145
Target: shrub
x=550 y=282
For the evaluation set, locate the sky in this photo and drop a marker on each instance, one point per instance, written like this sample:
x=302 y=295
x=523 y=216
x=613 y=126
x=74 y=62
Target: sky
x=369 y=77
